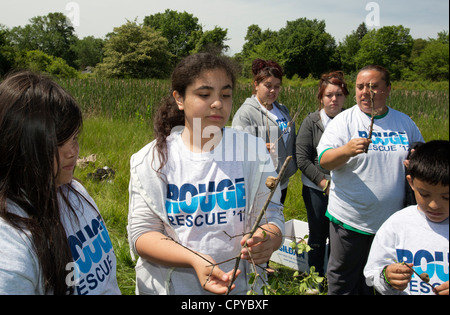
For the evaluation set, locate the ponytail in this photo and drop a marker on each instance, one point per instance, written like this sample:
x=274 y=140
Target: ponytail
x=167 y=117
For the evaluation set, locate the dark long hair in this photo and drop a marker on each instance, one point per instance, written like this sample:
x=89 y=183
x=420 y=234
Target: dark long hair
x=36 y=116
x=186 y=72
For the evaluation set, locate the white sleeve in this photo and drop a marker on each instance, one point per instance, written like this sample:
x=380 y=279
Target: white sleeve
x=19 y=266
x=417 y=136
x=382 y=253
x=141 y=218
x=334 y=136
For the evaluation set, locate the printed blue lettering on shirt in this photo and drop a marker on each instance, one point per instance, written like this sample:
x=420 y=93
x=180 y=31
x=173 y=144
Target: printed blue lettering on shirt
x=282 y=123
x=192 y=204
x=435 y=264
x=387 y=141
x=90 y=247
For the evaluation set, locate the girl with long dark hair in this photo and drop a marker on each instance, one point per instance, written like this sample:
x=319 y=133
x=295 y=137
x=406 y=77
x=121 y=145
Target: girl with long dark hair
x=52 y=238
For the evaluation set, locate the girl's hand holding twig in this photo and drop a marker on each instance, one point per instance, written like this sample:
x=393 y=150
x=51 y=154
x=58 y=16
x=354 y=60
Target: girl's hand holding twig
x=211 y=277
x=261 y=245
x=270 y=147
x=268 y=228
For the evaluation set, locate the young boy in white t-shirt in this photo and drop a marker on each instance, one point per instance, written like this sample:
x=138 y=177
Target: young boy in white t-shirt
x=413 y=244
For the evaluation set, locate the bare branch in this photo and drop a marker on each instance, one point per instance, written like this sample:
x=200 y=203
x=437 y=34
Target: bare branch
x=258 y=220
x=372 y=114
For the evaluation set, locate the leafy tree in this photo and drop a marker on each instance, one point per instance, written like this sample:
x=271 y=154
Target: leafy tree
x=185 y=35
x=349 y=47
x=389 y=46
x=89 y=51
x=177 y=28
x=418 y=47
x=253 y=37
x=259 y=44
x=211 y=41
x=51 y=34
x=135 y=51
x=268 y=50
x=361 y=31
x=301 y=48
x=433 y=61
x=7 y=52
x=307 y=48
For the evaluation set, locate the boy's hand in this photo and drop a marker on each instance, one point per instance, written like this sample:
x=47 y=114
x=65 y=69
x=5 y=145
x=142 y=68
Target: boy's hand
x=399 y=275
x=441 y=289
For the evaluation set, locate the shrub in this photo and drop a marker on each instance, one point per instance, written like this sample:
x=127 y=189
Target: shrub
x=38 y=61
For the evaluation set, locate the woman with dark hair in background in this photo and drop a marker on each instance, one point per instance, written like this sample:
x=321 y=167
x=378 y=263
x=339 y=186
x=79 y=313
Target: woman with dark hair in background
x=262 y=116
x=52 y=238
x=316 y=181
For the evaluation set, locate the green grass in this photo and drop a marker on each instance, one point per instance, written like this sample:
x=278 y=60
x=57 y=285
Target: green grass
x=113 y=141
x=118 y=123
x=132 y=99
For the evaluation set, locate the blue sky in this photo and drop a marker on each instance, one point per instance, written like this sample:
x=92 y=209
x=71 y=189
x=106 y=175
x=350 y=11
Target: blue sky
x=98 y=17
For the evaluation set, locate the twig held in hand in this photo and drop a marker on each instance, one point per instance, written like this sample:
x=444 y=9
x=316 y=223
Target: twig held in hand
x=372 y=114
x=424 y=276
x=259 y=218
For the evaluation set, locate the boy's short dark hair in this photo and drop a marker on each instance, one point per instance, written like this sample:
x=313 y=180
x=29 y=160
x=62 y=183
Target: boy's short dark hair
x=429 y=162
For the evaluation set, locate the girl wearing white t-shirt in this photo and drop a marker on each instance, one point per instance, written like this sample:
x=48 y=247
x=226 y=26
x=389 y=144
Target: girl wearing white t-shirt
x=196 y=190
x=53 y=239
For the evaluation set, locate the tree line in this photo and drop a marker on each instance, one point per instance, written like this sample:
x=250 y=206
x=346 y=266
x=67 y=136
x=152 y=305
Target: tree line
x=151 y=49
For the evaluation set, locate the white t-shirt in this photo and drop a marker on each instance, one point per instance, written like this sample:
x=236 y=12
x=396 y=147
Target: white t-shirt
x=276 y=115
x=205 y=204
x=93 y=271
x=408 y=236
x=369 y=187
x=324 y=118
